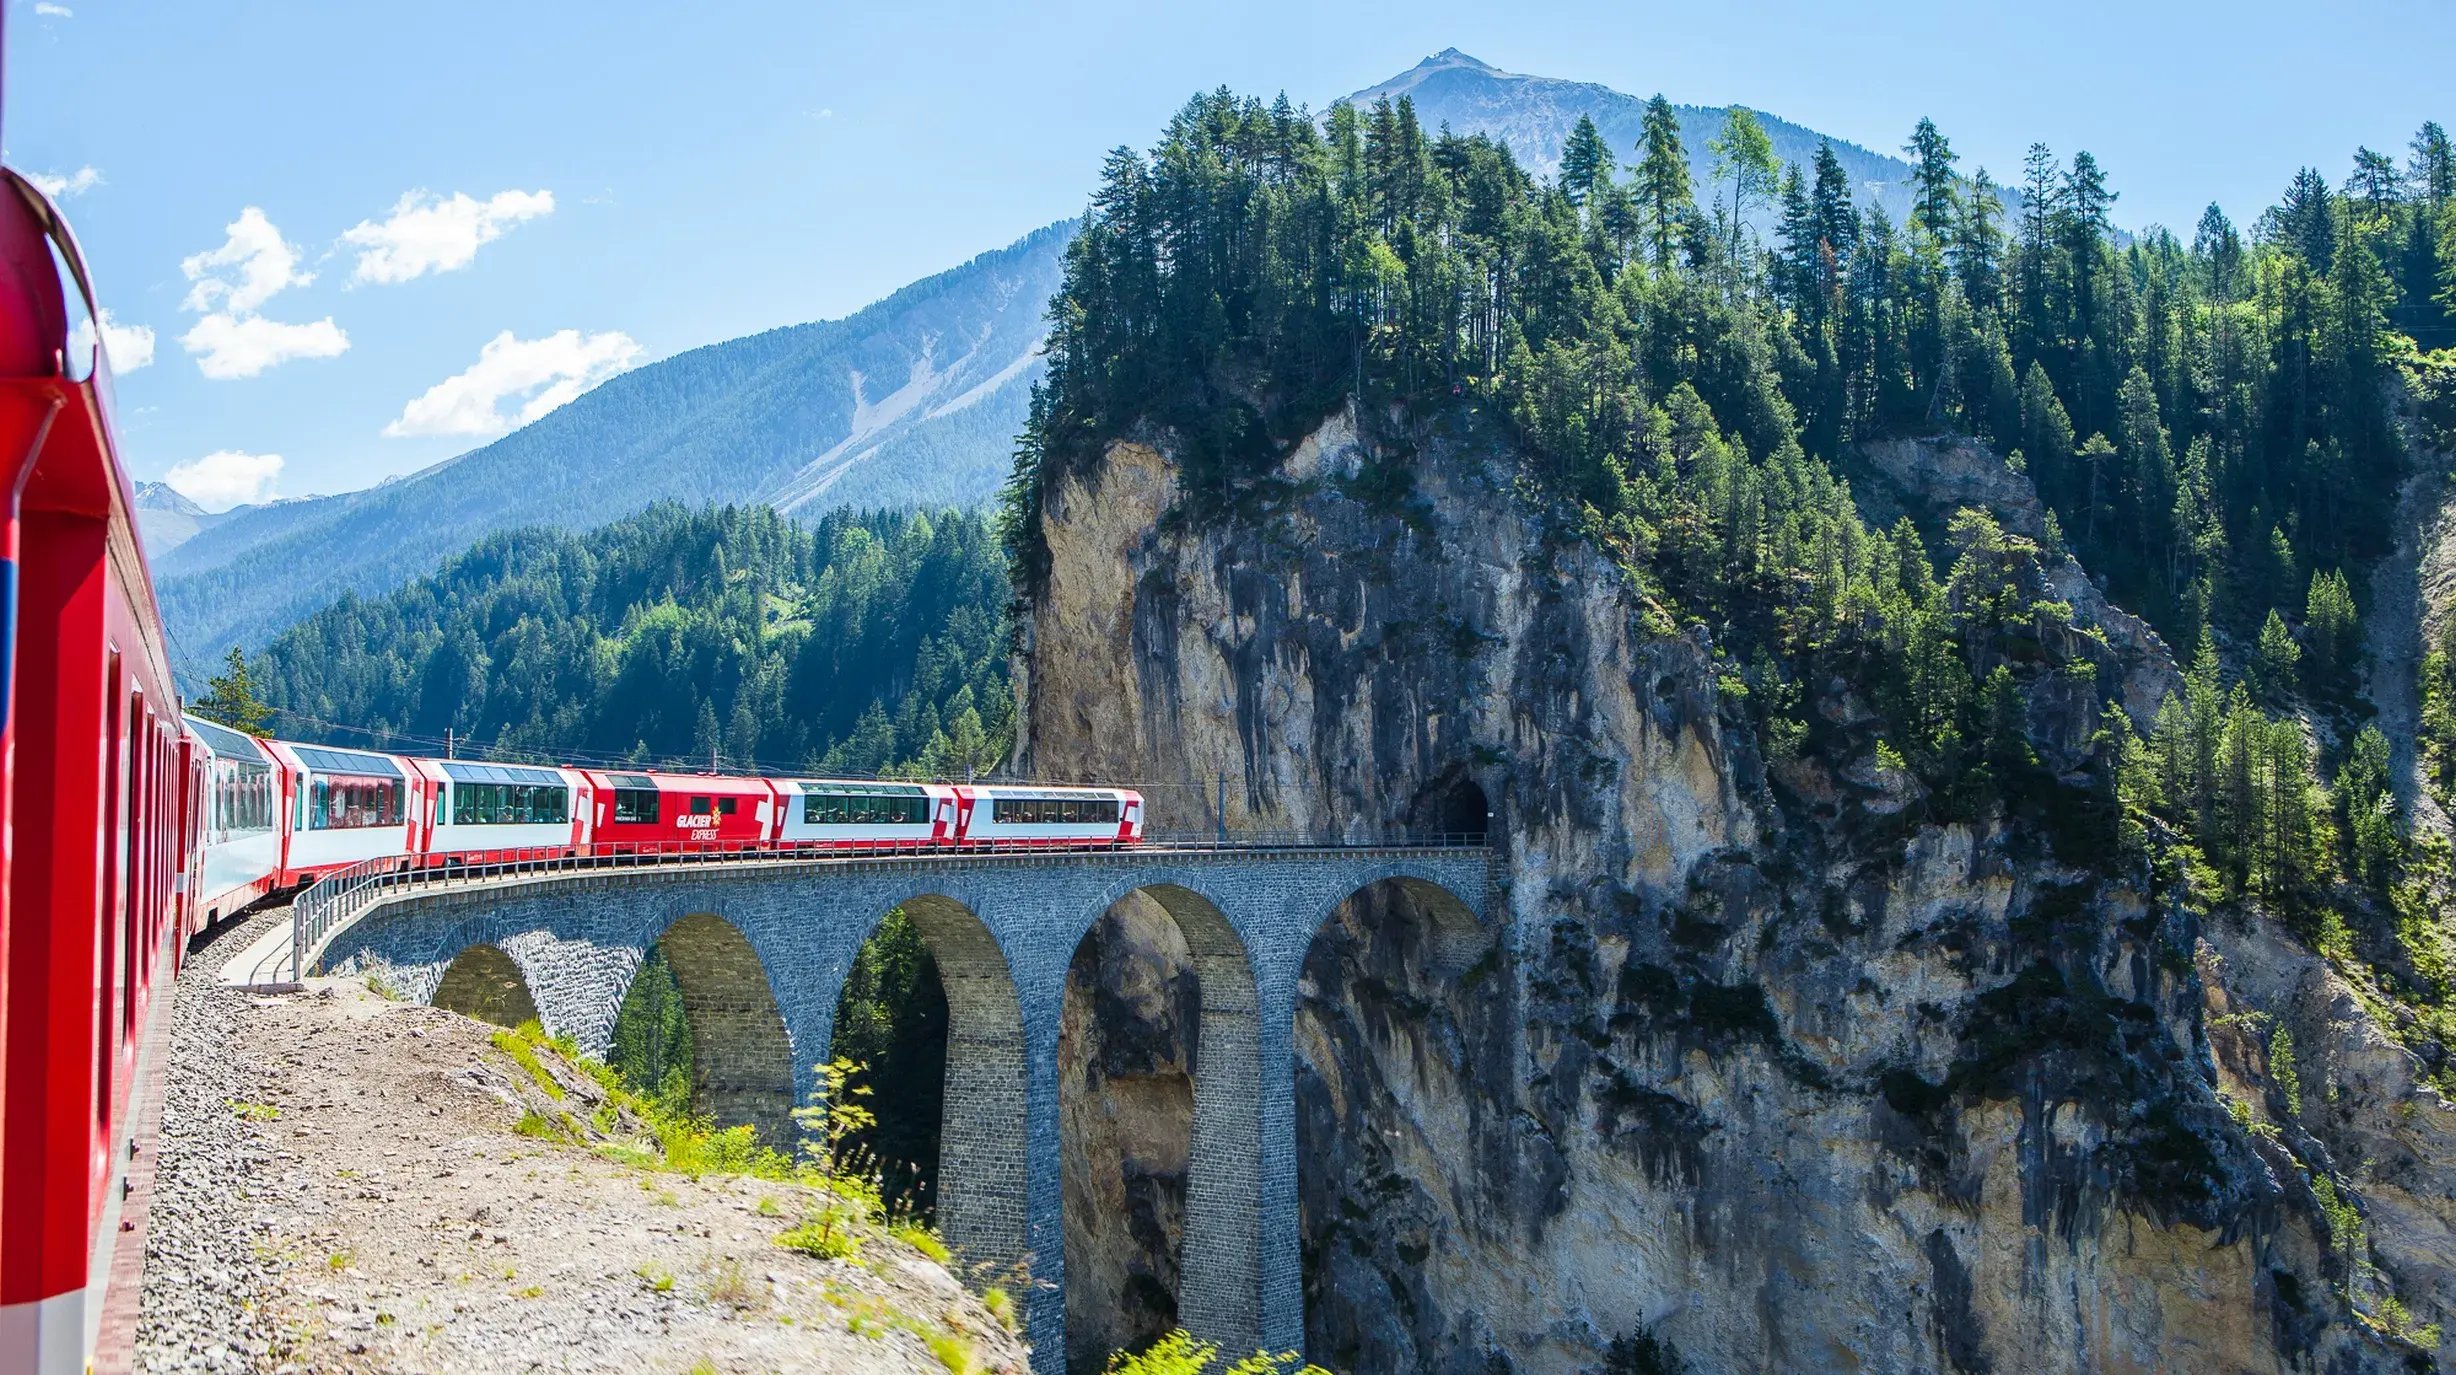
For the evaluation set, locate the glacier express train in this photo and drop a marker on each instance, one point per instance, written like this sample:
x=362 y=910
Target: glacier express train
x=126 y=827
x=281 y=814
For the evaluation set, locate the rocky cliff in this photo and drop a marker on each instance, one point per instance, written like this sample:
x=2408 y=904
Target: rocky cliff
x=1772 y=1072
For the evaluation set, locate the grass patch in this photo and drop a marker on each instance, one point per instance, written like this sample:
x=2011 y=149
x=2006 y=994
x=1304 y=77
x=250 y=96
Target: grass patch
x=922 y=1239
x=1001 y=1305
x=730 y=1284
x=954 y=1351
x=659 y=1281
x=339 y=1261
x=254 y=1112
x=825 y=1237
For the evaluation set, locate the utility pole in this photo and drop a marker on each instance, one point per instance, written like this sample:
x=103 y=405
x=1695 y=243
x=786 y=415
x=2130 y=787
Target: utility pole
x=448 y=744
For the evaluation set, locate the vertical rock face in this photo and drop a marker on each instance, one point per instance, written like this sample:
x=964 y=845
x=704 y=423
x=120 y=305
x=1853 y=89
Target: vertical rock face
x=1769 y=1073
x=1126 y=1101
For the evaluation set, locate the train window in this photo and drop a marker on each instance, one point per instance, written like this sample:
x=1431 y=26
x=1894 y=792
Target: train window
x=863 y=809
x=637 y=805
x=701 y=806
x=1054 y=811
x=510 y=804
x=348 y=804
x=725 y=805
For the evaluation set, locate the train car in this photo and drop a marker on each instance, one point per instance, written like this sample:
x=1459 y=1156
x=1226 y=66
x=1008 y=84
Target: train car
x=239 y=818
x=343 y=806
x=643 y=809
x=1011 y=816
x=824 y=813
x=93 y=807
x=481 y=813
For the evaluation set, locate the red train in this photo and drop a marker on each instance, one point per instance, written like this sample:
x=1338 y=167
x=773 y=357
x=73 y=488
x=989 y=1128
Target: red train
x=125 y=828
x=279 y=813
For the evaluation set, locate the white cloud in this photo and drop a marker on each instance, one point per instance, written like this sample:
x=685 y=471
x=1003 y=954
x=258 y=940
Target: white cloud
x=548 y=371
x=253 y=264
x=226 y=478
x=49 y=10
x=60 y=188
x=129 y=346
x=233 y=346
x=427 y=233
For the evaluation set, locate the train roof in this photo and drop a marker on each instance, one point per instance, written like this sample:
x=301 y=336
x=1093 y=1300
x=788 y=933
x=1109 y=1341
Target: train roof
x=320 y=759
x=460 y=772
x=225 y=742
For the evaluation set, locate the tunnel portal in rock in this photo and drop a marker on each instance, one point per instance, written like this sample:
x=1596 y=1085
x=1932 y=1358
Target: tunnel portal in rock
x=1453 y=805
x=741 y=1058
x=485 y=983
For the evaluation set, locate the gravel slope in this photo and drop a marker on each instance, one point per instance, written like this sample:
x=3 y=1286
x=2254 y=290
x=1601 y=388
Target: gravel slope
x=342 y=1190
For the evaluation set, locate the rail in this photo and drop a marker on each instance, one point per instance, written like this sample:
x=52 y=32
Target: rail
x=337 y=898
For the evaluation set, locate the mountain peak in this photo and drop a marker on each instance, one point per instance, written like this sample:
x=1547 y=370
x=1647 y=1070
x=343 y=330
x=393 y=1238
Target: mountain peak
x=161 y=496
x=1452 y=57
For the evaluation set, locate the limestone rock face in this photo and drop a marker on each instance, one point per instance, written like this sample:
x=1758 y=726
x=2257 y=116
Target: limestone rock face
x=1767 y=1069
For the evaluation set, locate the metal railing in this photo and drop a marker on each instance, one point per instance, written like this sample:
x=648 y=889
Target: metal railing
x=333 y=901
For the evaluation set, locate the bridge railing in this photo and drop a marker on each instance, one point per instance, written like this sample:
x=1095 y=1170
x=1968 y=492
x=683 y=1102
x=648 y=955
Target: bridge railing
x=332 y=901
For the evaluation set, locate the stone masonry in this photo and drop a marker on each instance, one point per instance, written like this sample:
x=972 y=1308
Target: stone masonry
x=760 y=950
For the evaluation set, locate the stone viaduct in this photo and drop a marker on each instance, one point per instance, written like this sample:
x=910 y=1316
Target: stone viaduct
x=761 y=949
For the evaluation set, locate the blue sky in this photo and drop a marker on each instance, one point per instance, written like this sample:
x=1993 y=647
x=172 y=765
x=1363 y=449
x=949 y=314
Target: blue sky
x=595 y=185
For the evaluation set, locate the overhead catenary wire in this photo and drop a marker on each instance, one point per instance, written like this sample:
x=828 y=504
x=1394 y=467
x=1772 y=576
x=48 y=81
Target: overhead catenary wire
x=469 y=748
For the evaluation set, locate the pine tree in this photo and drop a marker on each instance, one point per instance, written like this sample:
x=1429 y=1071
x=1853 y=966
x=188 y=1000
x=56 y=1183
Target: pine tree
x=2276 y=661
x=1743 y=160
x=2431 y=169
x=2333 y=625
x=1935 y=206
x=1663 y=192
x=230 y=698
x=1978 y=243
x=1586 y=160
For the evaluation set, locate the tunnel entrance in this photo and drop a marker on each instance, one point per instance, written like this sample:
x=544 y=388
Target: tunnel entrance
x=1454 y=807
x=485 y=983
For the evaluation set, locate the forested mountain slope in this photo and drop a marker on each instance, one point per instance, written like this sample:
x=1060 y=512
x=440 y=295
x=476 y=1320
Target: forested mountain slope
x=915 y=400
x=855 y=645
x=912 y=401
x=1874 y=853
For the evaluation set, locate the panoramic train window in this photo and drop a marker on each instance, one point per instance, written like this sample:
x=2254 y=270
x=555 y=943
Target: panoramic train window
x=510 y=804
x=1054 y=811
x=349 y=804
x=882 y=808
x=507 y=795
x=635 y=804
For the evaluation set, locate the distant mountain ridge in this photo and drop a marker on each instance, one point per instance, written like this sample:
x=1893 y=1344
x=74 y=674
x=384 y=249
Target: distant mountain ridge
x=167 y=519
x=1533 y=115
x=912 y=401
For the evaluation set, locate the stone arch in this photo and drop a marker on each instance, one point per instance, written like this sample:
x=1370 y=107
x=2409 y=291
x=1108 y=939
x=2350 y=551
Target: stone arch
x=741 y=1057
x=982 y=1141
x=1401 y=1074
x=1218 y=1293
x=484 y=982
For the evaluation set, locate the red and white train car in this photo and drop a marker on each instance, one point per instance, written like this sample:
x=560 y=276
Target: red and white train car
x=99 y=804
